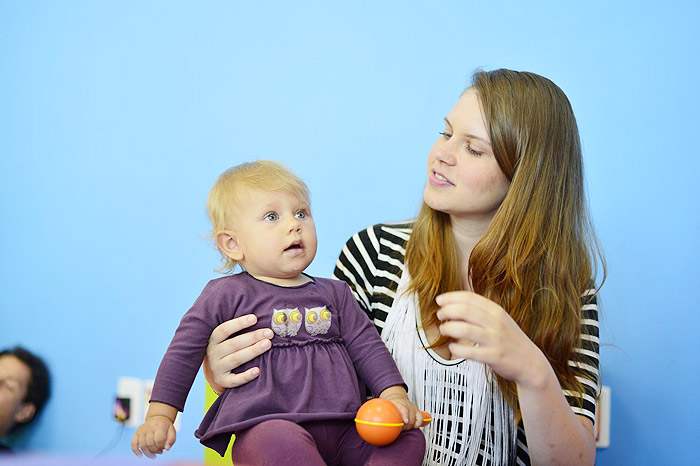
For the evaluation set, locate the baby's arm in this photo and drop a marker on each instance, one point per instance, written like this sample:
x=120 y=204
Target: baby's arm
x=157 y=433
x=373 y=362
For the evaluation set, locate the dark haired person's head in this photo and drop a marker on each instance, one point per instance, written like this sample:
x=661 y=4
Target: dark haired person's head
x=24 y=388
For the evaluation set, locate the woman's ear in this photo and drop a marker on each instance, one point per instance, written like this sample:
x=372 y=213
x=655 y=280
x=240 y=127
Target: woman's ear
x=229 y=245
x=25 y=413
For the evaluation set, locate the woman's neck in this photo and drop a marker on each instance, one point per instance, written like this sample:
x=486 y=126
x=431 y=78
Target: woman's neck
x=467 y=232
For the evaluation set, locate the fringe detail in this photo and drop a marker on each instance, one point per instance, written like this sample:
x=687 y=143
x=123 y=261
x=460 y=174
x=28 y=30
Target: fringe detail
x=472 y=423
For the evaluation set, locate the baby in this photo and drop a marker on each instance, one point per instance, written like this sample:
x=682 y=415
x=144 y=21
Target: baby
x=325 y=350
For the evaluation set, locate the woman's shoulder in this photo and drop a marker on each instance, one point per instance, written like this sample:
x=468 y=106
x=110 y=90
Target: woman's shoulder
x=403 y=227
x=382 y=244
x=399 y=231
x=391 y=232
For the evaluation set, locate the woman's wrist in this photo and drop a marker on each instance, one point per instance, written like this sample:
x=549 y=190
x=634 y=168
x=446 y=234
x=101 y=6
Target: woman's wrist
x=209 y=376
x=539 y=375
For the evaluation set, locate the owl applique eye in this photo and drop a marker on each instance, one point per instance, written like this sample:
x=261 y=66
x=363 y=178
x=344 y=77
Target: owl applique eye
x=317 y=320
x=293 y=322
x=286 y=322
x=279 y=322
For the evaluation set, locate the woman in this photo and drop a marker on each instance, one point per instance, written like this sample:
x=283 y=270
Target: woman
x=485 y=299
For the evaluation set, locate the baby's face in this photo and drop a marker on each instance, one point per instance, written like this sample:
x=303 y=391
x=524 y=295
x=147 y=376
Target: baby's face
x=275 y=232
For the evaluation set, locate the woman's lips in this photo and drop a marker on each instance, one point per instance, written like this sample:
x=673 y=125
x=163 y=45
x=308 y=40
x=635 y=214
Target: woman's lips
x=437 y=179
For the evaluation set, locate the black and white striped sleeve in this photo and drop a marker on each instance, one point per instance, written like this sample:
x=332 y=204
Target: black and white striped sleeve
x=585 y=361
x=370 y=263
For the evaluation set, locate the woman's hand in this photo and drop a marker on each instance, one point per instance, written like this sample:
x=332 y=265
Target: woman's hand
x=483 y=331
x=225 y=354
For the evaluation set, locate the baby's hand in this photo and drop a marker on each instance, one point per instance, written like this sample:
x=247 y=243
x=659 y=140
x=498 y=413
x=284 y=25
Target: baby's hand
x=412 y=416
x=154 y=436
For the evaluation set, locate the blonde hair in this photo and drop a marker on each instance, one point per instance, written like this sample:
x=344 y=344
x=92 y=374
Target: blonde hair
x=224 y=196
x=538 y=255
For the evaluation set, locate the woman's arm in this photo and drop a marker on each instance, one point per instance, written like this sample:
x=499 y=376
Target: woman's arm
x=555 y=434
x=370 y=263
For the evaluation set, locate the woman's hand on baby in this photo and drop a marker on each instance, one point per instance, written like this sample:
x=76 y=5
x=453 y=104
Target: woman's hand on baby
x=411 y=415
x=225 y=354
x=154 y=436
x=483 y=331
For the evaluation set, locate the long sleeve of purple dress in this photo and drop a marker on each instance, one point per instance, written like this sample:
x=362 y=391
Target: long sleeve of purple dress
x=323 y=350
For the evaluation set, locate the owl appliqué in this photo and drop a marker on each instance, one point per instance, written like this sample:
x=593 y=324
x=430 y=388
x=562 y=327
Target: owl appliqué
x=317 y=320
x=286 y=322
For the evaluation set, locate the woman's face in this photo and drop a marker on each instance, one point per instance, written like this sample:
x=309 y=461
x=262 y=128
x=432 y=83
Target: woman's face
x=464 y=179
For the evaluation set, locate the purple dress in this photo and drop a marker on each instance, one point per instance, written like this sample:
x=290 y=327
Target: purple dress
x=323 y=342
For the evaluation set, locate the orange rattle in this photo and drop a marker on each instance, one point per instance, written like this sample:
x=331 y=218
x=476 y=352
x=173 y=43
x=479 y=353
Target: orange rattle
x=379 y=422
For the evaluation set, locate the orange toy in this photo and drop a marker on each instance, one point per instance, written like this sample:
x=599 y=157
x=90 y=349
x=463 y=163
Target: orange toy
x=379 y=422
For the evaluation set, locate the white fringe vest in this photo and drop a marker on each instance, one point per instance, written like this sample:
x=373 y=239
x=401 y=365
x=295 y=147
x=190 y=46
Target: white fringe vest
x=470 y=415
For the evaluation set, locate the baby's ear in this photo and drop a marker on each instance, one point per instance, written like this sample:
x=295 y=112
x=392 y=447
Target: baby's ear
x=229 y=245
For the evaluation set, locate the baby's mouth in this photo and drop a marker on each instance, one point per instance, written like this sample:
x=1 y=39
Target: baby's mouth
x=296 y=245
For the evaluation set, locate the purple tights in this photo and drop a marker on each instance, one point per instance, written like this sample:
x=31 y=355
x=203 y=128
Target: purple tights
x=321 y=443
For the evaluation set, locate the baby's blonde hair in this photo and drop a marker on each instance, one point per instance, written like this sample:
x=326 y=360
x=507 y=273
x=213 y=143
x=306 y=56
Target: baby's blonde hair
x=223 y=199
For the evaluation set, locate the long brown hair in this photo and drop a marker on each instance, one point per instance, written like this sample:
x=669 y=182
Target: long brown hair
x=539 y=253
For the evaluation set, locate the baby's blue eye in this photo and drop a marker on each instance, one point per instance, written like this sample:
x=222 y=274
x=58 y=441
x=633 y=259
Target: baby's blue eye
x=301 y=214
x=271 y=217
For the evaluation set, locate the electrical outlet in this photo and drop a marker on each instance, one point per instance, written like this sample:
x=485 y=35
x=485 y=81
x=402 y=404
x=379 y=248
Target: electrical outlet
x=131 y=389
x=603 y=419
x=135 y=394
x=122 y=409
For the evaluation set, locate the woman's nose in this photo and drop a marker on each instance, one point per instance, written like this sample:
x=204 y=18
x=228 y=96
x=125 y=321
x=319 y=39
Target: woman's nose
x=444 y=152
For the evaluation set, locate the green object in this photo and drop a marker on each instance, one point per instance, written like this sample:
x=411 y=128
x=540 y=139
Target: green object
x=212 y=458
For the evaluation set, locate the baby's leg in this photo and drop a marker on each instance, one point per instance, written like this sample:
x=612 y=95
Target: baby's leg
x=407 y=450
x=275 y=443
x=340 y=444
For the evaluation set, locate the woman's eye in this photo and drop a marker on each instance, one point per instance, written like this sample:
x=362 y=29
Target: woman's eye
x=445 y=135
x=301 y=214
x=474 y=151
x=271 y=217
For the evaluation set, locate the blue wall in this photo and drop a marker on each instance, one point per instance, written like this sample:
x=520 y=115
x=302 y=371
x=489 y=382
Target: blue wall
x=116 y=117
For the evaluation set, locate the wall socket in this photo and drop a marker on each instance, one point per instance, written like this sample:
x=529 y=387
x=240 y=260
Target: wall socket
x=131 y=389
x=138 y=394
x=602 y=439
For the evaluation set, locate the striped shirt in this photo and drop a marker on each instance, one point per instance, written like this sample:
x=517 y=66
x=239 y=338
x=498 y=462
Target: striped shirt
x=371 y=262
